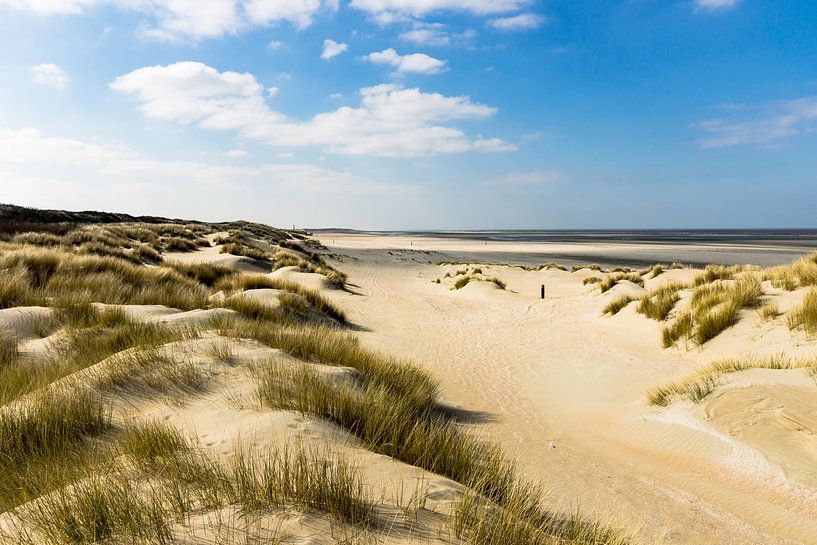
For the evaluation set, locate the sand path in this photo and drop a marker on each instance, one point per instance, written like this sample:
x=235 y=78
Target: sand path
x=564 y=393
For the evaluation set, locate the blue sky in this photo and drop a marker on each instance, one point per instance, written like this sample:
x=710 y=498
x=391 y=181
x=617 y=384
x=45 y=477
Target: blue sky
x=392 y=114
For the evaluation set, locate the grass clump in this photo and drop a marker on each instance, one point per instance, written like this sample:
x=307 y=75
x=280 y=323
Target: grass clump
x=658 y=303
x=713 y=308
x=39 y=438
x=681 y=327
x=239 y=282
x=462 y=282
x=8 y=349
x=706 y=379
x=612 y=279
x=37 y=276
x=591 y=280
x=149 y=441
x=769 y=311
x=805 y=316
x=235 y=248
x=802 y=273
x=286 y=258
x=717 y=272
x=303 y=480
x=617 y=304
x=99 y=509
x=90 y=338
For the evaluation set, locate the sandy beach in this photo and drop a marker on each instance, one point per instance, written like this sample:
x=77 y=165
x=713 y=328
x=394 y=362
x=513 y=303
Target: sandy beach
x=563 y=388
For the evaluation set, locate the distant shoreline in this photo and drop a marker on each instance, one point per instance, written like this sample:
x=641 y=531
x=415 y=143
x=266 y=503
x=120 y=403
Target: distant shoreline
x=789 y=238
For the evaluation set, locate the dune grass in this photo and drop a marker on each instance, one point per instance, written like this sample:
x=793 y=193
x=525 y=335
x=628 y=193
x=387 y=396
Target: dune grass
x=285 y=258
x=681 y=327
x=705 y=380
x=769 y=311
x=38 y=440
x=465 y=280
x=99 y=509
x=331 y=346
x=241 y=282
x=658 y=303
x=388 y=424
x=614 y=307
x=805 y=316
x=614 y=278
x=591 y=280
x=235 y=248
x=91 y=337
x=713 y=308
x=800 y=274
x=35 y=276
x=8 y=349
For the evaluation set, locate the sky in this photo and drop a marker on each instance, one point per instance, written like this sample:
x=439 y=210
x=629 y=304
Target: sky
x=415 y=114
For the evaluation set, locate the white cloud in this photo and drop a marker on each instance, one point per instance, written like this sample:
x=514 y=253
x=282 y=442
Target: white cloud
x=174 y=20
x=390 y=120
x=46 y=171
x=49 y=7
x=523 y=21
x=716 y=4
x=416 y=63
x=272 y=91
x=516 y=178
x=332 y=49
x=275 y=44
x=335 y=96
x=49 y=75
x=386 y=11
x=236 y=153
x=436 y=34
x=770 y=125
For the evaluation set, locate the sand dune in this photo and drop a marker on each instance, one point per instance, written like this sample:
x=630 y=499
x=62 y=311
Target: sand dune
x=565 y=389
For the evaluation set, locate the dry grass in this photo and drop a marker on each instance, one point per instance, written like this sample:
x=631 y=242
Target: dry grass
x=591 y=280
x=465 y=280
x=238 y=282
x=286 y=258
x=769 y=311
x=387 y=424
x=36 y=276
x=612 y=279
x=802 y=273
x=235 y=248
x=39 y=438
x=658 y=303
x=805 y=316
x=705 y=380
x=681 y=327
x=90 y=338
x=8 y=349
x=714 y=307
x=615 y=306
